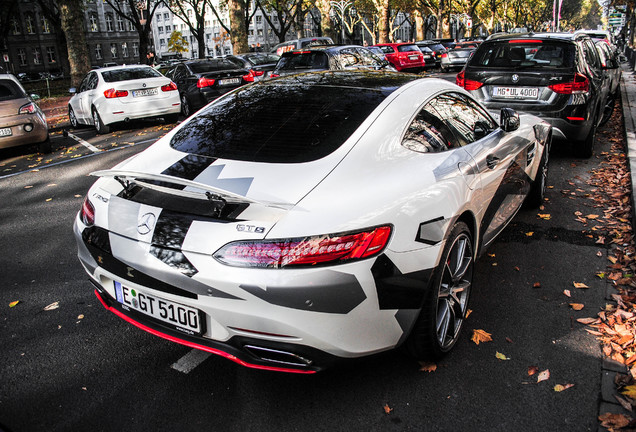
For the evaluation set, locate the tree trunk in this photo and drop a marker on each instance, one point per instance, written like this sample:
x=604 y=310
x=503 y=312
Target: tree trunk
x=201 y=43
x=328 y=30
x=74 y=27
x=385 y=21
x=419 y=26
x=238 y=33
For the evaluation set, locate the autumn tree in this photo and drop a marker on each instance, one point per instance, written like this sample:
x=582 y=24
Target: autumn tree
x=74 y=27
x=285 y=12
x=195 y=20
x=140 y=14
x=177 y=43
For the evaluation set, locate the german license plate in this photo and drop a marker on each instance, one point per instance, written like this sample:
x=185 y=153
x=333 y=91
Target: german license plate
x=5 y=132
x=516 y=92
x=145 y=92
x=230 y=81
x=181 y=317
x=412 y=57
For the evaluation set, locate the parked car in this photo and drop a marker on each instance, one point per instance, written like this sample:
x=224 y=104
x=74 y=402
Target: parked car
x=295 y=44
x=429 y=57
x=121 y=93
x=260 y=64
x=456 y=58
x=612 y=75
x=22 y=122
x=201 y=81
x=267 y=227
x=329 y=57
x=557 y=76
x=405 y=57
x=437 y=48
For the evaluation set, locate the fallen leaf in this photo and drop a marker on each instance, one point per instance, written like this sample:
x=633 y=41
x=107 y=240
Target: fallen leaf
x=532 y=370
x=592 y=216
x=387 y=409
x=501 y=356
x=529 y=234
x=580 y=285
x=481 y=336
x=536 y=285
x=567 y=293
x=543 y=376
x=560 y=388
x=625 y=404
x=81 y=316
x=509 y=340
x=577 y=306
x=52 y=306
x=544 y=216
x=614 y=421
x=601 y=275
x=630 y=391
x=427 y=367
x=14 y=303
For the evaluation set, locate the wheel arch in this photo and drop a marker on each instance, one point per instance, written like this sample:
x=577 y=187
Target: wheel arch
x=469 y=219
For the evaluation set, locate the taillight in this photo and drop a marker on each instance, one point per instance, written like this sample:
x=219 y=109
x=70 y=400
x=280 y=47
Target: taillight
x=308 y=251
x=257 y=72
x=580 y=85
x=27 y=108
x=273 y=75
x=523 y=41
x=112 y=93
x=249 y=77
x=87 y=213
x=459 y=79
x=466 y=83
x=169 y=87
x=205 y=82
x=444 y=55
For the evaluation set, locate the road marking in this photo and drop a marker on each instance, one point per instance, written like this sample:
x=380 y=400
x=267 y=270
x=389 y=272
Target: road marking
x=191 y=360
x=86 y=144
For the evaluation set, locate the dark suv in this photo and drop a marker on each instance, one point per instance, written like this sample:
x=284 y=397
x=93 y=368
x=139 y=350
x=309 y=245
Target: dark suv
x=557 y=76
x=329 y=57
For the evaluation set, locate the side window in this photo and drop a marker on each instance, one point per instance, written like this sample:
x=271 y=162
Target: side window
x=591 y=55
x=92 y=81
x=427 y=133
x=348 y=58
x=464 y=117
x=179 y=73
x=84 y=84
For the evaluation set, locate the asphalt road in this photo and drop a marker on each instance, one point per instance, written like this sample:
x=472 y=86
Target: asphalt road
x=80 y=368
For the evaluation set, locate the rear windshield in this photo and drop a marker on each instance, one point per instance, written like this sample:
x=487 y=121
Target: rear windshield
x=527 y=55
x=278 y=123
x=214 y=65
x=407 y=48
x=303 y=60
x=129 y=74
x=258 y=60
x=10 y=90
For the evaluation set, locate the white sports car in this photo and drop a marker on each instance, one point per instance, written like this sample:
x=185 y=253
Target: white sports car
x=313 y=218
x=122 y=93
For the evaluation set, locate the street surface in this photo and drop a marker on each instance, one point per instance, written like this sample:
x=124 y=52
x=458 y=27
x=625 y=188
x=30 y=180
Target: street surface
x=77 y=367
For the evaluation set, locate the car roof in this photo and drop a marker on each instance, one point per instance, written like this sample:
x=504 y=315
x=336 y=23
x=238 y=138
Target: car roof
x=564 y=36
x=10 y=77
x=110 y=68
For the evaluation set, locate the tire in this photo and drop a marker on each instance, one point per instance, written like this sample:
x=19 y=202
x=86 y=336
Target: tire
x=185 y=106
x=45 y=147
x=100 y=127
x=72 y=118
x=441 y=318
x=171 y=118
x=584 y=149
x=537 y=189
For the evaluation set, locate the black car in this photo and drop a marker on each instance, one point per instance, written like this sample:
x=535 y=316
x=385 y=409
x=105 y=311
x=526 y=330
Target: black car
x=201 y=81
x=261 y=64
x=557 y=76
x=329 y=57
x=437 y=48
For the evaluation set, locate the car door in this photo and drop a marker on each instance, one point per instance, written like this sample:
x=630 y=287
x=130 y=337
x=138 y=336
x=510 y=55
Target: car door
x=88 y=96
x=501 y=159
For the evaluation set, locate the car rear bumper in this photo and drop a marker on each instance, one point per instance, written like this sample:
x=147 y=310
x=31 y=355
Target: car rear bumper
x=19 y=134
x=148 y=108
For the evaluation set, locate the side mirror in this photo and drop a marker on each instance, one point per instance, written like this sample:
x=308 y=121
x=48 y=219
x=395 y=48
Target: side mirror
x=35 y=97
x=72 y=90
x=509 y=120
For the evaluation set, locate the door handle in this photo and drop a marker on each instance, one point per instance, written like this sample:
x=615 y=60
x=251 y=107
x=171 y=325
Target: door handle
x=492 y=161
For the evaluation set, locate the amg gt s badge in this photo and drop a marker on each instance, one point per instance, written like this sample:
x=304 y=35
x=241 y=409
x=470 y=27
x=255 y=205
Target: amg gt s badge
x=515 y=78
x=146 y=223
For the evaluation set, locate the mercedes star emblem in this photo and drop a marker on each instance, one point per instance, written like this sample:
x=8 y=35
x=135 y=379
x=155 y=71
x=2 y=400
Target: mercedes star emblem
x=146 y=223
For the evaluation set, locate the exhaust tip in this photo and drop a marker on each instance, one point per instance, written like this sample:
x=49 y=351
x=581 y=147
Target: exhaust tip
x=278 y=356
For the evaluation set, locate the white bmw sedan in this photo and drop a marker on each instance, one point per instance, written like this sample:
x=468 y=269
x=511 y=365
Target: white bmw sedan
x=304 y=220
x=121 y=93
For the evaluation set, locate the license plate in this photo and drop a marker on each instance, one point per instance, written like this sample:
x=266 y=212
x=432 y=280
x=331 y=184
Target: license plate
x=181 y=317
x=5 y=132
x=412 y=57
x=516 y=92
x=230 y=81
x=145 y=92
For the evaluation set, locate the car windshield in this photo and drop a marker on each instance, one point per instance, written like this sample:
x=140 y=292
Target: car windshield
x=10 y=90
x=279 y=123
x=303 y=60
x=214 y=65
x=407 y=48
x=526 y=54
x=128 y=74
x=261 y=59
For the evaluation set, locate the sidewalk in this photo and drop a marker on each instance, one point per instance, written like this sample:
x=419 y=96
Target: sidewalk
x=56 y=111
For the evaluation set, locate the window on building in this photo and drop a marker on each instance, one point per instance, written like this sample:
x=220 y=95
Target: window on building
x=93 y=25
x=15 y=26
x=98 y=52
x=30 y=23
x=50 y=54
x=37 y=56
x=259 y=19
x=22 y=57
x=109 y=22
x=113 y=51
x=168 y=29
x=44 y=24
x=135 y=47
x=162 y=44
x=166 y=16
x=259 y=32
x=160 y=29
x=124 y=50
x=120 y=24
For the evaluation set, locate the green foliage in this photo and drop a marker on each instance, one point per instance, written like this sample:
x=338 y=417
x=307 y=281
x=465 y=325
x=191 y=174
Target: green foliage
x=177 y=43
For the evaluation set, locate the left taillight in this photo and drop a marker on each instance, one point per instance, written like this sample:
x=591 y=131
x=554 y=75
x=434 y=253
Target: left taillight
x=304 y=252
x=579 y=85
x=27 y=108
x=87 y=214
x=249 y=77
x=114 y=93
x=461 y=81
x=169 y=87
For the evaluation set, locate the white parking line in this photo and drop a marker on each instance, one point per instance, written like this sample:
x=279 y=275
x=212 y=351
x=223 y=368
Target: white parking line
x=86 y=144
x=191 y=360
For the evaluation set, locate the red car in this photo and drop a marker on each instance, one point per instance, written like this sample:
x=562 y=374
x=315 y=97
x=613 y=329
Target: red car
x=404 y=56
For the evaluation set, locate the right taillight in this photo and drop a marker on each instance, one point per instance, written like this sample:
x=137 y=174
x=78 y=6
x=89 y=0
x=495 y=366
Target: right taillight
x=87 y=213
x=461 y=81
x=579 y=85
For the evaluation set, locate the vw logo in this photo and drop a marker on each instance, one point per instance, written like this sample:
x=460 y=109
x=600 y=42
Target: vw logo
x=146 y=223
x=515 y=78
